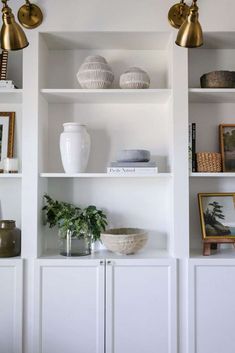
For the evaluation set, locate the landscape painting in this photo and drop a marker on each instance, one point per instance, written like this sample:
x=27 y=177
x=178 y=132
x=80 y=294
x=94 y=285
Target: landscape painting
x=227 y=143
x=217 y=212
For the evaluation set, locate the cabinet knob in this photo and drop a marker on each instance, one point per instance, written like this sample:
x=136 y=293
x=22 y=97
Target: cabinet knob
x=109 y=262
x=101 y=262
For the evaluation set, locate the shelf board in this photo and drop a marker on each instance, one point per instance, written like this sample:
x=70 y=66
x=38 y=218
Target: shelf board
x=10 y=176
x=107 y=96
x=212 y=175
x=105 y=254
x=104 y=175
x=11 y=96
x=212 y=95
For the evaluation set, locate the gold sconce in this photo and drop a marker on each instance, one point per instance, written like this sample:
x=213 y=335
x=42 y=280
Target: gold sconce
x=12 y=35
x=190 y=33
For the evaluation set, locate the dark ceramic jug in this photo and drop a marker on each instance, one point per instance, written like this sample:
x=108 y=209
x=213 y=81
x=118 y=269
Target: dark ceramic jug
x=10 y=239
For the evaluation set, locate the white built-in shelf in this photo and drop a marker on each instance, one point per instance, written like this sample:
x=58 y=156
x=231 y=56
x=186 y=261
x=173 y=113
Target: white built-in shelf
x=11 y=96
x=212 y=175
x=10 y=176
x=107 y=96
x=105 y=254
x=212 y=95
x=222 y=254
x=104 y=175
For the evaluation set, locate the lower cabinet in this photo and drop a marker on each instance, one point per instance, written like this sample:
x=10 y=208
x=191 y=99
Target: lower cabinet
x=111 y=306
x=211 y=307
x=11 y=300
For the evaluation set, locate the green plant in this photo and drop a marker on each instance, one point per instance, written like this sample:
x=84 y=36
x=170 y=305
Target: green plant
x=89 y=222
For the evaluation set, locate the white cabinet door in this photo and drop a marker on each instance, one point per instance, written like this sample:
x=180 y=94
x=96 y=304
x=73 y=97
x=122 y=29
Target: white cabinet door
x=141 y=306
x=11 y=297
x=69 y=306
x=211 y=306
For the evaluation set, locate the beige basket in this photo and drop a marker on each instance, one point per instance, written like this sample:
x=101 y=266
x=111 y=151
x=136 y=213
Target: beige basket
x=209 y=162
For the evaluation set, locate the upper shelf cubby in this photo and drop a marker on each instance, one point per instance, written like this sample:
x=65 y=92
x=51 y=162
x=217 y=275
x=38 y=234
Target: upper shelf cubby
x=218 y=53
x=61 y=55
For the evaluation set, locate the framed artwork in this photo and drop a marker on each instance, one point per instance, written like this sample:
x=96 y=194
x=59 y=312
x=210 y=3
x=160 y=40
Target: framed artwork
x=217 y=215
x=227 y=147
x=7 y=131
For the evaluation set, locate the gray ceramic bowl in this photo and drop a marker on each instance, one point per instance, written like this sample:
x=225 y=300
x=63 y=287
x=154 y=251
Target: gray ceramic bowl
x=133 y=156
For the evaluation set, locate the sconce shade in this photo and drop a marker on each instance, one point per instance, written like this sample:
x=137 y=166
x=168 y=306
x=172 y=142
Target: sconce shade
x=12 y=35
x=190 y=34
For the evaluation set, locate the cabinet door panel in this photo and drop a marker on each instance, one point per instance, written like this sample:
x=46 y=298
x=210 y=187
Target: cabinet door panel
x=72 y=308
x=11 y=306
x=212 y=313
x=141 y=306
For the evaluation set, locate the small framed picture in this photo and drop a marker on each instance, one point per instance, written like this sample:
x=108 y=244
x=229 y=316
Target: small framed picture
x=217 y=215
x=7 y=131
x=227 y=147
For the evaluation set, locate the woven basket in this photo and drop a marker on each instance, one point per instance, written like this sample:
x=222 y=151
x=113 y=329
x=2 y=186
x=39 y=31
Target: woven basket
x=209 y=162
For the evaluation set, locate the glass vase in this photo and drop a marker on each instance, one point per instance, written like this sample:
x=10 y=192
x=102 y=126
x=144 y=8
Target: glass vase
x=72 y=245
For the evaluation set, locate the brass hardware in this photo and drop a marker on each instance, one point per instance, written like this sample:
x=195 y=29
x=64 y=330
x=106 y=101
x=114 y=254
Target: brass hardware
x=190 y=34
x=30 y=15
x=12 y=35
x=177 y=14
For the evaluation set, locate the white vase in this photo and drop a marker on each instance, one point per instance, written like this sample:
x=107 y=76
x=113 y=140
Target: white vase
x=74 y=147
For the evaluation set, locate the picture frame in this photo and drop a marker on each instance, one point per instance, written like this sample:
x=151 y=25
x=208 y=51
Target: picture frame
x=227 y=147
x=217 y=218
x=7 y=134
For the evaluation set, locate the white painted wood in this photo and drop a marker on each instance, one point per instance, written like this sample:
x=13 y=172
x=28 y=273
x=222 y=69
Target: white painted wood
x=120 y=96
x=211 y=315
x=11 y=176
x=11 y=305
x=102 y=175
x=211 y=95
x=69 y=306
x=141 y=306
x=11 y=96
x=212 y=175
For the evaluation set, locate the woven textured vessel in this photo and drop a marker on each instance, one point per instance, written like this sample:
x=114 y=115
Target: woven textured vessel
x=125 y=241
x=134 y=78
x=95 y=73
x=218 y=79
x=209 y=162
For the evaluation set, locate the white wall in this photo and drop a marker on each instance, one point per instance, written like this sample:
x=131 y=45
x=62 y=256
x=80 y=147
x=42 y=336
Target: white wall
x=143 y=15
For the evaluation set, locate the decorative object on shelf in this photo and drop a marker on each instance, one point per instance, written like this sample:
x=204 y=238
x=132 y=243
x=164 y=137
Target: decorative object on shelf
x=133 y=156
x=142 y=168
x=217 y=215
x=192 y=148
x=134 y=78
x=30 y=15
x=12 y=35
x=209 y=162
x=227 y=146
x=124 y=241
x=177 y=14
x=10 y=165
x=78 y=228
x=190 y=33
x=218 y=79
x=75 y=146
x=95 y=73
x=7 y=129
x=10 y=239
x=3 y=65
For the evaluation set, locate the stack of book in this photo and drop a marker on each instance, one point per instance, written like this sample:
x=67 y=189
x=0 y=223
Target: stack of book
x=5 y=84
x=138 y=168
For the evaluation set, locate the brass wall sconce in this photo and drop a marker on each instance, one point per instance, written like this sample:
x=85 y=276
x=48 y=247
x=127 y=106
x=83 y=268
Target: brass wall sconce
x=190 y=33
x=12 y=35
x=30 y=15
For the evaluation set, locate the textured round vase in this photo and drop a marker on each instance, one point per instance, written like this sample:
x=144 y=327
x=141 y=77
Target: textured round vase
x=95 y=73
x=10 y=239
x=134 y=78
x=74 y=148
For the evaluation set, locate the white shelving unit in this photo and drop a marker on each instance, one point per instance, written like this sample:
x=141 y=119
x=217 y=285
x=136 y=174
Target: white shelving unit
x=103 y=175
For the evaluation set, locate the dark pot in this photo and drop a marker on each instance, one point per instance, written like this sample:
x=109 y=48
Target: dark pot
x=10 y=239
